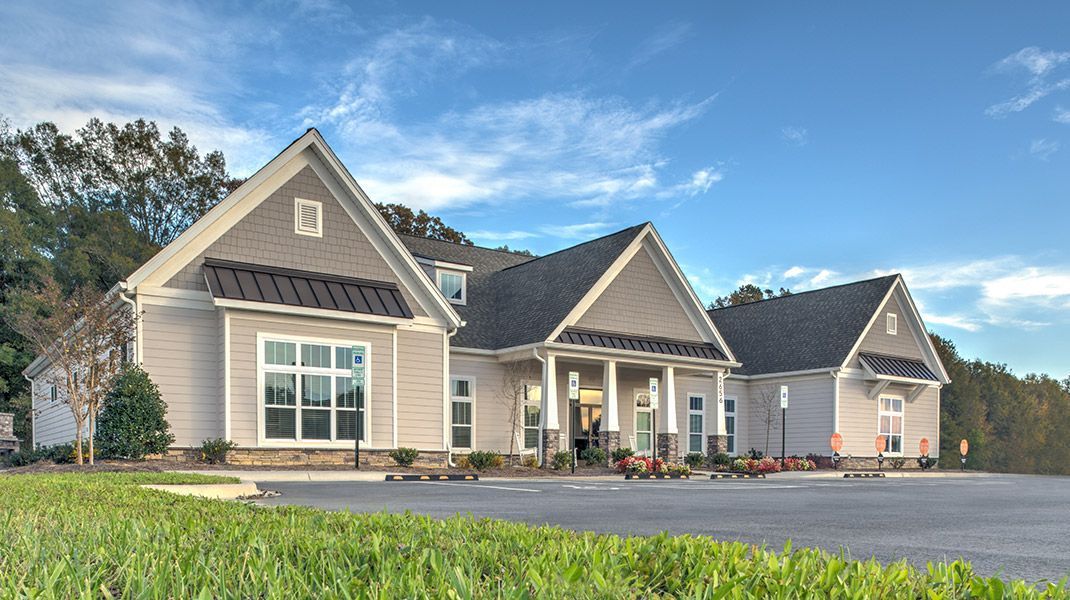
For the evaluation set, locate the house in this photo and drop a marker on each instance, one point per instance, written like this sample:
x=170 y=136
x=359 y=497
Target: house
x=253 y=318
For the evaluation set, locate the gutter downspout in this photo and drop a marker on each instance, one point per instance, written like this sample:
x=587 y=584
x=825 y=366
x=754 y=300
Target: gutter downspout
x=33 y=417
x=835 y=400
x=535 y=352
x=137 y=320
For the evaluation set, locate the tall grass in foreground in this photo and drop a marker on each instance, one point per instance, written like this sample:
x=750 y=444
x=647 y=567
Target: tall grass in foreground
x=93 y=536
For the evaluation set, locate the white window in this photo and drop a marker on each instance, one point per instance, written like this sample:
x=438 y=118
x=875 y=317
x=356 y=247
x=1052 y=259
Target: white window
x=461 y=414
x=532 y=414
x=892 y=323
x=308 y=217
x=313 y=399
x=452 y=285
x=730 y=424
x=890 y=424
x=696 y=422
x=644 y=422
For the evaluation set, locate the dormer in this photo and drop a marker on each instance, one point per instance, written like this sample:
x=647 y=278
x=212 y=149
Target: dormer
x=451 y=278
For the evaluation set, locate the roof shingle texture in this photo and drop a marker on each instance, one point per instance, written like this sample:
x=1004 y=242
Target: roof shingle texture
x=515 y=300
x=808 y=330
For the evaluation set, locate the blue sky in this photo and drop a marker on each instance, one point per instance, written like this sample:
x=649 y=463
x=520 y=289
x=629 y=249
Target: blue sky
x=797 y=146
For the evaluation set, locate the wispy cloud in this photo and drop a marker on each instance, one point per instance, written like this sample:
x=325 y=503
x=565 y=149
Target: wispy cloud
x=796 y=136
x=578 y=231
x=1043 y=148
x=1062 y=115
x=501 y=236
x=1039 y=65
x=665 y=38
x=587 y=151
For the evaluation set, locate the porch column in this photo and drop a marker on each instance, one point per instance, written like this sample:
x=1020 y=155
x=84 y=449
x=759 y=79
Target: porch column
x=550 y=426
x=668 y=434
x=609 y=433
x=717 y=442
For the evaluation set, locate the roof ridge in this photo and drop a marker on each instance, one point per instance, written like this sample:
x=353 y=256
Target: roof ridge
x=475 y=246
x=793 y=294
x=597 y=239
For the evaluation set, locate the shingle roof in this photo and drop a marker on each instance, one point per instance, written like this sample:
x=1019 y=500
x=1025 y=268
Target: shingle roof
x=808 y=330
x=515 y=300
x=898 y=367
x=258 y=283
x=638 y=343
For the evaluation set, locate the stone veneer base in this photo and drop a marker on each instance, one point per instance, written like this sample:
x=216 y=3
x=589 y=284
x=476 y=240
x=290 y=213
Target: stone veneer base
x=308 y=457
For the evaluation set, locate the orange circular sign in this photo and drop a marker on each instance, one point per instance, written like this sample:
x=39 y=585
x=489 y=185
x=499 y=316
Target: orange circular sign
x=923 y=446
x=836 y=441
x=964 y=447
x=879 y=443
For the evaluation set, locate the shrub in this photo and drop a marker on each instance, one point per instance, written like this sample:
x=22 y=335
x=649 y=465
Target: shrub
x=530 y=461
x=721 y=461
x=640 y=464
x=64 y=454
x=898 y=463
x=755 y=454
x=768 y=465
x=463 y=462
x=593 y=456
x=482 y=460
x=561 y=460
x=928 y=463
x=795 y=463
x=622 y=453
x=22 y=458
x=132 y=422
x=742 y=465
x=214 y=451
x=405 y=456
x=695 y=459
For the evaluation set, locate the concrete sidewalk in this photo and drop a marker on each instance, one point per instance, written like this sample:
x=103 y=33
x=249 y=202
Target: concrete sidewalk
x=295 y=475
x=826 y=474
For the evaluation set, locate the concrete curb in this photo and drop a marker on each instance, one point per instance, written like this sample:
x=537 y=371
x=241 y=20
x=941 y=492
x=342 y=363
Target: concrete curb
x=887 y=473
x=297 y=476
x=220 y=491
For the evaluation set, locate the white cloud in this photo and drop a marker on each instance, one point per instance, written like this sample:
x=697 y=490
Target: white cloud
x=501 y=236
x=793 y=272
x=578 y=231
x=1062 y=115
x=587 y=151
x=1038 y=64
x=1043 y=148
x=956 y=321
x=664 y=39
x=823 y=277
x=797 y=136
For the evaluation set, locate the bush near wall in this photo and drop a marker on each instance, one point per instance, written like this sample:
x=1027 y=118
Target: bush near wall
x=133 y=421
x=102 y=536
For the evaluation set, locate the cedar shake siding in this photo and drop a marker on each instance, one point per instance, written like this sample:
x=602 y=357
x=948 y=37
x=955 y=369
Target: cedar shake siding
x=639 y=301
x=878 y=341
x=266 y=237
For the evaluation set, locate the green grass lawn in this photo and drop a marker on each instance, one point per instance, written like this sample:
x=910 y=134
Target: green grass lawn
x=100 y=535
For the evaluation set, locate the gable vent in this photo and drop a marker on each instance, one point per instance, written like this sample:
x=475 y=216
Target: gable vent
x=308 y=217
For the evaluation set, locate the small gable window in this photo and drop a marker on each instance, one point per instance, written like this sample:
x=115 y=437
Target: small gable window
x=892 y=323
x=452 y=285
x=308 y=217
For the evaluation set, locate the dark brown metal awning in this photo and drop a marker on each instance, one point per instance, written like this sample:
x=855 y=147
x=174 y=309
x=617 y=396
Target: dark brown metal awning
x=634 y=343
x=259 y=283
x=893 y=366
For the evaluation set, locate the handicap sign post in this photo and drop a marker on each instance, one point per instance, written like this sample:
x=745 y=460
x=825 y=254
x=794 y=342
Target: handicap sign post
x=359 y=368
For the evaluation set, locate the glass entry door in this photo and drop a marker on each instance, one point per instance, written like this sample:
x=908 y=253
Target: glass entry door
x=587 y=419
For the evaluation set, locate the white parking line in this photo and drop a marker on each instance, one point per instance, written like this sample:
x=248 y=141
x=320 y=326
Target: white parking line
x=481 y=485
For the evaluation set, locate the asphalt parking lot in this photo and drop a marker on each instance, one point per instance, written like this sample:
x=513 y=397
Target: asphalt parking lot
x=1016 y=526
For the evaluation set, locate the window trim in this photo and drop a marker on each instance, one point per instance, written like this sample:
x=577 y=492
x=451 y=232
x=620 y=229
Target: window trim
x=298 y=203
x=636 y=409
x=734 y=436
x=261 y=425
x=902 y=414
x=892 y=323
x=471 y=399
x=702 y=415
x=439 y=272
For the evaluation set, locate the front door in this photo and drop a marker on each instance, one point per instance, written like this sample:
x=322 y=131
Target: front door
x=587 y=419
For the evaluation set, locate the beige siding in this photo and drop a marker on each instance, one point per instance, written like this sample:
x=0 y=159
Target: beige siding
x=640 y=301
x=180 y=352
x=878 y=341
x=420 y=389
x=53 y=422
x=266 y=236
x=244 y=392
x=685 y=387
x=492 y=403
x=859 y=424
x=735 y=388
x=809 y=415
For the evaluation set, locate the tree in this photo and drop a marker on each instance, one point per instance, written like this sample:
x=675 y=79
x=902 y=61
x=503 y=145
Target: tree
x=83 y=336
x=133 y=420
x=513 y=395
x=403 y=220
x=506 y=248
x=747 y=292
x=766 y=408
x=160 y=184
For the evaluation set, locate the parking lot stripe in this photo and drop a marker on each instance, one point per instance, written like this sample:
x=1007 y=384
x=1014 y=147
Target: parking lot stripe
x=481 y=485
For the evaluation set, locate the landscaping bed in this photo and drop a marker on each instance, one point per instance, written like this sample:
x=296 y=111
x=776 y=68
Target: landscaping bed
x=101 y=535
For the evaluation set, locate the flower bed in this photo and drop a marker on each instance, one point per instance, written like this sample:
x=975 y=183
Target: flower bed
x=639 y=465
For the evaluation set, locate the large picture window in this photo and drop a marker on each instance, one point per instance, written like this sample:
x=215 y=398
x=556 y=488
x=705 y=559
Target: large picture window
x=891 y=424
x=461 y=412
x=308 y=392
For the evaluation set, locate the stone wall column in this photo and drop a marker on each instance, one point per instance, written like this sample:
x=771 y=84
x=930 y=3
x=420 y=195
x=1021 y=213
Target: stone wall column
x=668 y=447
x=716 y=444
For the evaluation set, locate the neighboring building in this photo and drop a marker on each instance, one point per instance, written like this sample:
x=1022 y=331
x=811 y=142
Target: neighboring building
x=251 y=317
